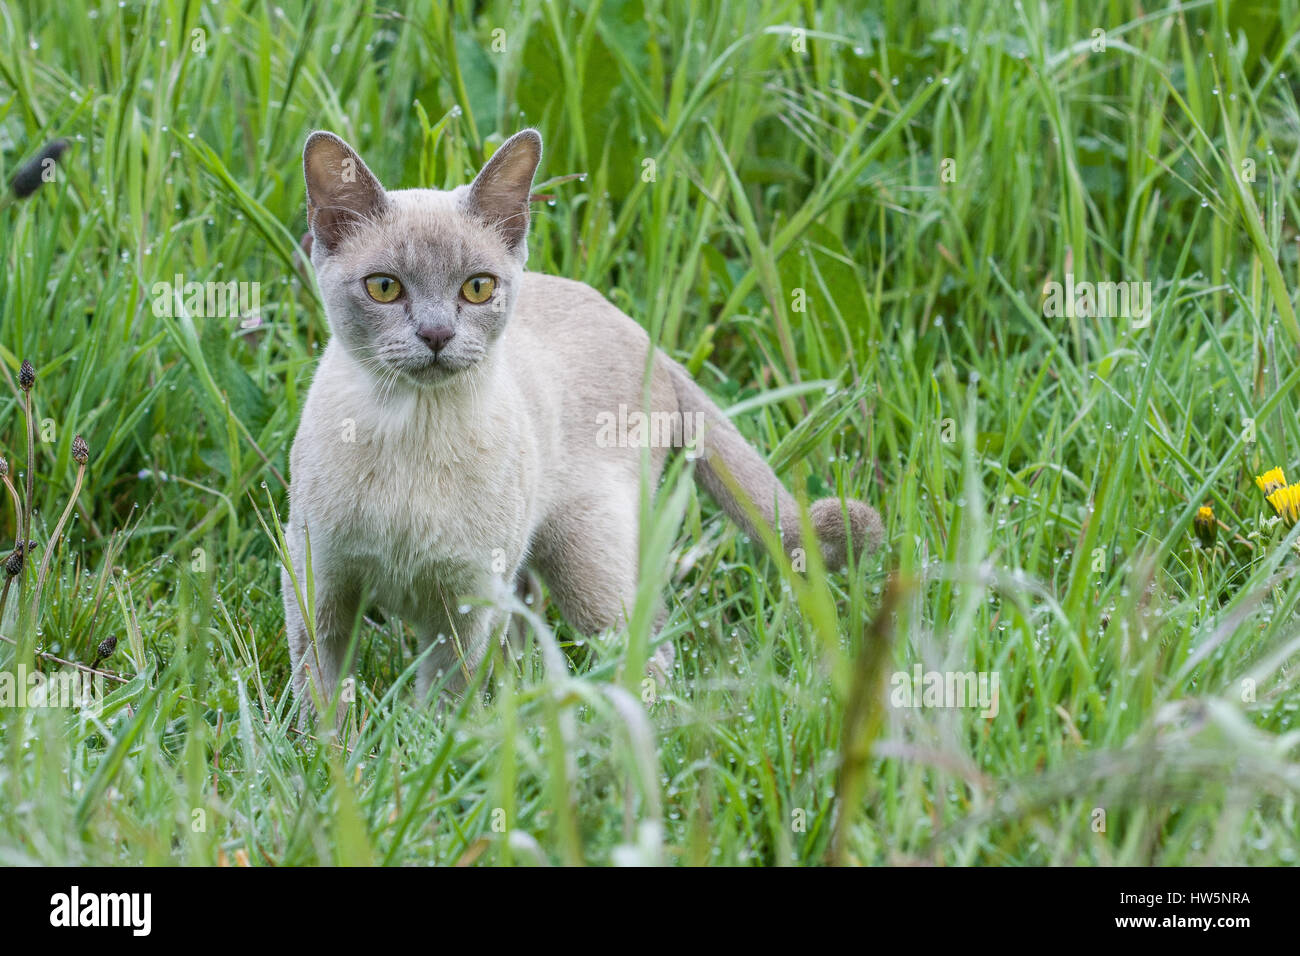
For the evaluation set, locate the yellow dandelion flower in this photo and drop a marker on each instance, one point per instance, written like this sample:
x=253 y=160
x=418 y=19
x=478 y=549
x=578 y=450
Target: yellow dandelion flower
x=1207 y=528
x=1286 y=502
x=1271 y=481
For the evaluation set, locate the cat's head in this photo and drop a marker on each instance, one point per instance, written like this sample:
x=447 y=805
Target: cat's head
x=418 y=283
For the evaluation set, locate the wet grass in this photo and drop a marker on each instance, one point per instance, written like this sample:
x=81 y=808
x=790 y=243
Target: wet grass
x=846 y=233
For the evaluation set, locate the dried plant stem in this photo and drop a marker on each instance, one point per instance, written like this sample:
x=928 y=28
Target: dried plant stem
x=18 y=505
x=863 y=714
x=18 y=527
x=4 y=596
x=46 y=655
x=54 y=539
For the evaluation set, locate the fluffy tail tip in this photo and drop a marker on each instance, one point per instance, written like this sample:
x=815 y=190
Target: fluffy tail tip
x=863 y=529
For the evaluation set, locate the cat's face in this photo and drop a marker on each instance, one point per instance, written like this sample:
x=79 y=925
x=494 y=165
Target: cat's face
x=418 y=283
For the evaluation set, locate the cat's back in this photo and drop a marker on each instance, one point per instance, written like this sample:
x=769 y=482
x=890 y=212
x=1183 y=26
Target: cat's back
x=552 y=305
x=588 y=342
x=579 y=356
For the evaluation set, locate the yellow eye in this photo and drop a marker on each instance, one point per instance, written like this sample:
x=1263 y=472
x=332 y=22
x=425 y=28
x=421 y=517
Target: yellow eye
x=383 y=288
x=478 y=289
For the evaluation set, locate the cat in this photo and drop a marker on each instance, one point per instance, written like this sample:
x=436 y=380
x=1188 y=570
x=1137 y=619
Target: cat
x=450 y=435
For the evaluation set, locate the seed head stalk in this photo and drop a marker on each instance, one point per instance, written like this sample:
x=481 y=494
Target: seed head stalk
x=26 y=379
x=80 y=454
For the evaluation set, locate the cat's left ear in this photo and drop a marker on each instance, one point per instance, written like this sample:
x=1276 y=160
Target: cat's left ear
x=499 y=194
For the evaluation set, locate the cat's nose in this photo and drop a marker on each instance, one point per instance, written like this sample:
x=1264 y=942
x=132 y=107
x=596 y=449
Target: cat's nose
x=435 y=335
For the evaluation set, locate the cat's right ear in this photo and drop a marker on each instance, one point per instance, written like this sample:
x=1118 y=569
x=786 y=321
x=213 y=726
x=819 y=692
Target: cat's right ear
x=341 y=190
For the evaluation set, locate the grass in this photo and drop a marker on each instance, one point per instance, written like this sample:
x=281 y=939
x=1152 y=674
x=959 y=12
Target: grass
x=845 y=232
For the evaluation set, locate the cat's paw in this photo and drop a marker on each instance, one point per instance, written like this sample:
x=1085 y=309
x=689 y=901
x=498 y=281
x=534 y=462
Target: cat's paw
x=660 y=665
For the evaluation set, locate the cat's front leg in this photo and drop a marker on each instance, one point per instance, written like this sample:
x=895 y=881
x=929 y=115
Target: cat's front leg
x=456 y=644
x=318 y=658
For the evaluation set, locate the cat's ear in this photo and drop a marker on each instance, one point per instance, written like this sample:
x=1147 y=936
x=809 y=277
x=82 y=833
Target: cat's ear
x=499 y=194
x=341 y=191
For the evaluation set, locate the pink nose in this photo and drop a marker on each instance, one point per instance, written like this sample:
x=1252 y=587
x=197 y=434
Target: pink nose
x=435 y=336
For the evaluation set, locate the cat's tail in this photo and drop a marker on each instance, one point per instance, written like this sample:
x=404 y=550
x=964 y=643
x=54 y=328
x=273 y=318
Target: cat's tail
x=733 y=472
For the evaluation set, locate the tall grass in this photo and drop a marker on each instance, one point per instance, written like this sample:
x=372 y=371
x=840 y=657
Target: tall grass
x=842 y=219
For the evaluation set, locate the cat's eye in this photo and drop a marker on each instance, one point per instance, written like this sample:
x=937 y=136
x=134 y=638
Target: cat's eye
x=478 y=289
x=383 y=288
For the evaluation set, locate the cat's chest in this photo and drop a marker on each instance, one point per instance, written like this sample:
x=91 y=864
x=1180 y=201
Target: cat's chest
x=427 y=485
x=413 y=504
